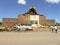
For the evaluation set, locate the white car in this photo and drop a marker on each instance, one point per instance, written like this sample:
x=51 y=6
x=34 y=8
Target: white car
x=23 y=27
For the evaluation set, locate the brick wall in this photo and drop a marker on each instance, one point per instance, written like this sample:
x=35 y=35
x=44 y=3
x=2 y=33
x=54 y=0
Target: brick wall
x=42 y=19
x=50 y=22
x=22 y=19
x=9 y=22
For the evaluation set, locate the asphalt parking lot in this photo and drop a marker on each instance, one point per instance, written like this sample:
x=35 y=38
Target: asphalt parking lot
x=29 y=38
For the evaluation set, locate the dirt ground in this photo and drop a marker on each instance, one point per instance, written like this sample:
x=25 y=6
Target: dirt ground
x=30 y=38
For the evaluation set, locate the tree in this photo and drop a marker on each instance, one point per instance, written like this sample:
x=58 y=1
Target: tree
x=0 y=23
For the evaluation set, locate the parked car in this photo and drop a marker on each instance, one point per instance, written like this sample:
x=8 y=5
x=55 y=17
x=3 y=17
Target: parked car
x=23 y=27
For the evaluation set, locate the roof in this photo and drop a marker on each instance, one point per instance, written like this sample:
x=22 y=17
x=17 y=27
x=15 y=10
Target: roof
x=32 y=11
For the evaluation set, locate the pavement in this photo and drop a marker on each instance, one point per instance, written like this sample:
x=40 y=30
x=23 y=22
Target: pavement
x=30 y=38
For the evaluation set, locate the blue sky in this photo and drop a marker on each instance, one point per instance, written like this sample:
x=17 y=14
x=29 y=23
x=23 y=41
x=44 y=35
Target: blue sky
x=12 y=8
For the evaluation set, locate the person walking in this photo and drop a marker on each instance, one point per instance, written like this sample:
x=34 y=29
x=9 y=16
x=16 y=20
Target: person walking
x=52 y=28
x=56 y=28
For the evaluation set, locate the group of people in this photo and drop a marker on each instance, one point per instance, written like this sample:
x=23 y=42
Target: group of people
x=54 y=28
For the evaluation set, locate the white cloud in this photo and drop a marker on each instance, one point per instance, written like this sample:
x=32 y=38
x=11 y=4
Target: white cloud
x=53 y=1
x=22 y=2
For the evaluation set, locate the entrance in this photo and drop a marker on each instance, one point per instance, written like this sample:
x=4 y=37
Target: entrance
x=34 y=22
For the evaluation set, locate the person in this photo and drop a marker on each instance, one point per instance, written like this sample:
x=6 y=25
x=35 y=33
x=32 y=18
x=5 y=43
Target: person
x=52 y=27
x=56 y=28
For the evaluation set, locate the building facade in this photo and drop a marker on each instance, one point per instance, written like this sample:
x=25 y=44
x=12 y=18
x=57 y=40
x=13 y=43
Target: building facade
x=30 y=17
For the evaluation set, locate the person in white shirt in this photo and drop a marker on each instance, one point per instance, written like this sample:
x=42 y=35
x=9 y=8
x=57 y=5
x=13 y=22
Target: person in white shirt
x=52 y=28
x=56 y=28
